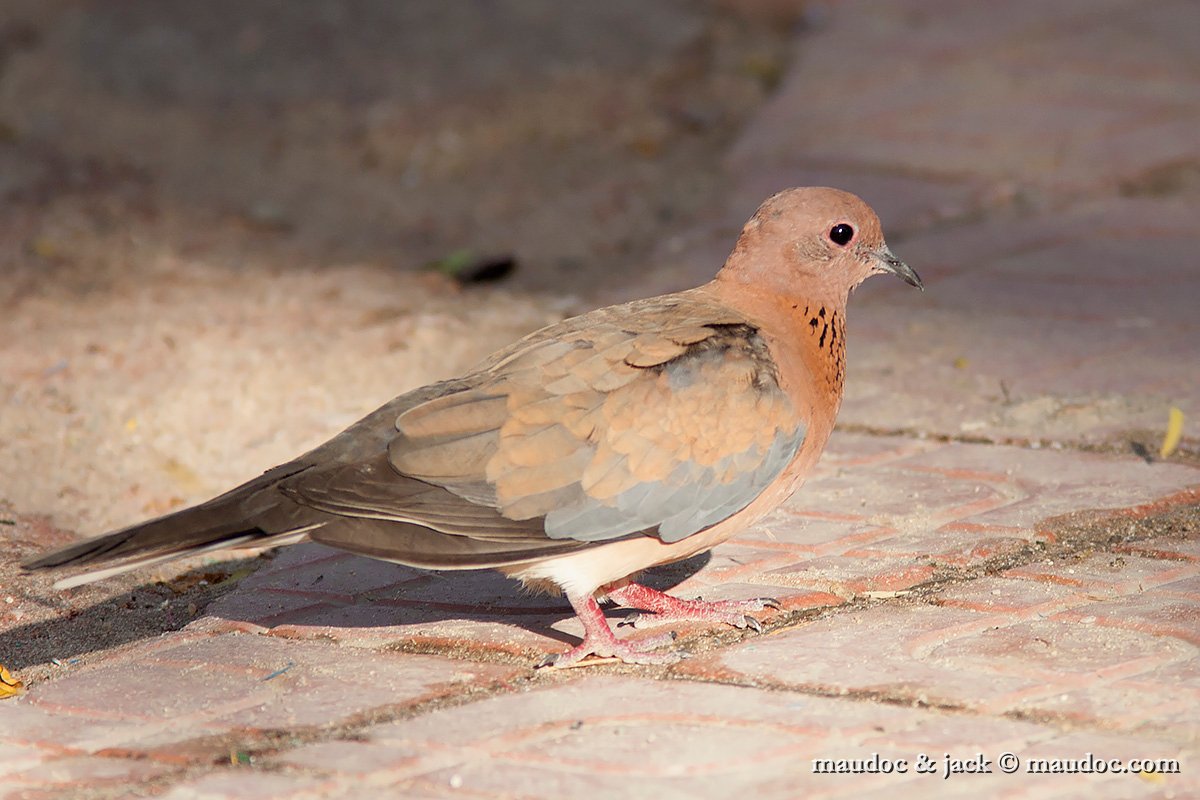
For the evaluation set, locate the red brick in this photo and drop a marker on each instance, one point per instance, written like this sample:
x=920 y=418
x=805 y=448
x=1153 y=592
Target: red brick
x=339 y=579
x=802 y=533
x=945 y=546
x=375 y=626
x=1188 y=550
x=86 y=771
x=881 y=650
x=1105 y=574
x=16 y=757
x=355 y=760
x=1059 y=651
x=672 y=738
x=1009 y=596
x=27 y=725
x=1151 y=612
x=231 y=784
x=248 y=682
x=845 y=576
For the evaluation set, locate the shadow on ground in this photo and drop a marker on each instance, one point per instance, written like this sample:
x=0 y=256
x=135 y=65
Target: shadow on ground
x=415 y=597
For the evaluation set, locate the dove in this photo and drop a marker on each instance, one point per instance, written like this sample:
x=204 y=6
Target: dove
x=575 y=458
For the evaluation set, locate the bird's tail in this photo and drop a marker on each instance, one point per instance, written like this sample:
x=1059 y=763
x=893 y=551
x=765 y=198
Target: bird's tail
x=252 y=515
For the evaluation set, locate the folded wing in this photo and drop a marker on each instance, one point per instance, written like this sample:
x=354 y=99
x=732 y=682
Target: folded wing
x=613 y=429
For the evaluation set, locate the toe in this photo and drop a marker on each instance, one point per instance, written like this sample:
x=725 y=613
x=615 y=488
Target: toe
x=640 y=651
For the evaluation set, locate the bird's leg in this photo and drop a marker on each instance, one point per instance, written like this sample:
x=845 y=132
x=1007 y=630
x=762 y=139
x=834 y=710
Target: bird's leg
x=672 y=609
x=600 y=641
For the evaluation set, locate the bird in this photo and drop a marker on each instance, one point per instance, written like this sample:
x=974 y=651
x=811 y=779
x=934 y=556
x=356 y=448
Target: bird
x=628 y=437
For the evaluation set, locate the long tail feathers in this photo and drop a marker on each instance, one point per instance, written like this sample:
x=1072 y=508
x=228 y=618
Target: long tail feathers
x=254 y=514
x=250 y=540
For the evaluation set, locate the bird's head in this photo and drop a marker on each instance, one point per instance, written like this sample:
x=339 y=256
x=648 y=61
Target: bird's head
x=812 y=242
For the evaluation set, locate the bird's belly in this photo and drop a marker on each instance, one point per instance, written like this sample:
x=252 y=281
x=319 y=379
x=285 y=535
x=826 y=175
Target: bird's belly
x=582 y=573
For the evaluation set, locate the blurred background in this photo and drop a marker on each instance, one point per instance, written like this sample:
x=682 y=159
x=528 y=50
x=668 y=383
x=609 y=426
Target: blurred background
x=393 y=133
x=229 y=229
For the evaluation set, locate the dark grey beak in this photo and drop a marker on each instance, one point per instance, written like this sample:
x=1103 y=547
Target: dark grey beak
x=889 y=263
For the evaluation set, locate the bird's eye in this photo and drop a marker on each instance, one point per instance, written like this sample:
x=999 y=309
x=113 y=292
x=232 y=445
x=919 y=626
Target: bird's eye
x=841 y=234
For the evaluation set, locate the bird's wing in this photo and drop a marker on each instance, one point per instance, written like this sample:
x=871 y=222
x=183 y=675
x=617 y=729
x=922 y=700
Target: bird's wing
x=661 y=420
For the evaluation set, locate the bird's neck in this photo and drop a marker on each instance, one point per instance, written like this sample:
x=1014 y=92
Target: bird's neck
x=822 y=328
x=807 y=335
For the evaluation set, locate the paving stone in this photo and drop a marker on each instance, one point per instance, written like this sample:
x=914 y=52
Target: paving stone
x=1044 y=483
x=16 y=757
x=1187 y=588
x=1062 y=650
x=76 y=772
x=882 y=651
x=1051 y=652
x=244 y=683
x=340 y=578
x=943 y=104
x=1006 y=595
x=1156 y=613
x=794 y=531
x=671 y=739
x=1103 y=575
x=374 y=627
x=682 y=739
x=945 y=546
x=357 y=761
x=253 y=785
x=1091 y=345
x=1163 y=548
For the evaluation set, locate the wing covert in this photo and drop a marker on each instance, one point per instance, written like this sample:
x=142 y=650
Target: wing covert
x=607 y=432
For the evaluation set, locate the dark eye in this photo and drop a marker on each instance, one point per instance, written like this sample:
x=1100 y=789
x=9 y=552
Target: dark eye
x=841 y=234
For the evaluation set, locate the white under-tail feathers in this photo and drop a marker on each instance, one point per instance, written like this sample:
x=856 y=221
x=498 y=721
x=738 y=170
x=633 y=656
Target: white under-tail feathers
x=257 y=540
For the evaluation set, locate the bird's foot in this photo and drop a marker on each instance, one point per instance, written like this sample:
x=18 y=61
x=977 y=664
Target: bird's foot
x=600 y=645
x=592 y=651
x=667 y=609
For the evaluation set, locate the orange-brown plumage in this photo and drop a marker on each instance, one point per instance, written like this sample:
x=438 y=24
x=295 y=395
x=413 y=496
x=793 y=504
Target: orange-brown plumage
x=631 y=436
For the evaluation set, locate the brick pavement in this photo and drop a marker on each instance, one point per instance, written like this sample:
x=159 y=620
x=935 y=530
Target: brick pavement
x=986 y=563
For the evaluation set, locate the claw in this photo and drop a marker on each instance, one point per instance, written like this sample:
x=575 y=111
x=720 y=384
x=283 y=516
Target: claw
x=590 y=653
x=671 y=609
x=601 y=646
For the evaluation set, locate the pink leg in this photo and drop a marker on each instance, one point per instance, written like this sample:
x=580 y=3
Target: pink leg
x=672 y=609
x=599 y=640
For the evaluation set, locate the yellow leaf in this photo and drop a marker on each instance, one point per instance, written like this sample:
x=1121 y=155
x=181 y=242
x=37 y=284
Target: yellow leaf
x=9 y=685
x=1174 y=433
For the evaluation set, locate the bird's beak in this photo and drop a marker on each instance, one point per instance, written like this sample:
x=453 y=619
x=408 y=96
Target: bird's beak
x=889 y=263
